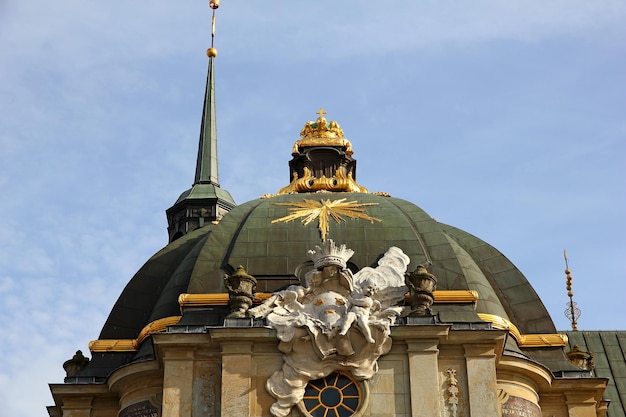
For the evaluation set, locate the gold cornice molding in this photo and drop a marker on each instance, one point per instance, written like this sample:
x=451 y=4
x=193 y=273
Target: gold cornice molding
x=113 y=345
x=541 y=340
x=525 y=340
x=156 y=327
x=200 y=300
x=455 y=296
x=221 y=299
x=130 y=345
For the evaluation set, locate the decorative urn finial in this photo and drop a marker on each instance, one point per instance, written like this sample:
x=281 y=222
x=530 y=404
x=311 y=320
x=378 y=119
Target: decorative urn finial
x=241 y=287
x=422 y=285
x=581 y=358
x=76 y=364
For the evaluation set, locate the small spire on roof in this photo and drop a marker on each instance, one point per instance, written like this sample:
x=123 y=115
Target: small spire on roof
x=205 y=202
x=572 y=312
x=206 y=165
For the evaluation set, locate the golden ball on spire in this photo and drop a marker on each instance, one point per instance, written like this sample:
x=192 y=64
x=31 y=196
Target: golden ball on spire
x=211 y=52
x=214 y=4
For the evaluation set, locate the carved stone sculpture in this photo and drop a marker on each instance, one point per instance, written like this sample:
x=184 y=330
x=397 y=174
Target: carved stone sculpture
x=452 y=392
x=422 y=285
x=337 y=322
x=241 y=287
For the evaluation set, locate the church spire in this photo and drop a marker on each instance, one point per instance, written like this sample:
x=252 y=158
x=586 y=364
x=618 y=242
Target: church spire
x=205 y=201
x=206 y=165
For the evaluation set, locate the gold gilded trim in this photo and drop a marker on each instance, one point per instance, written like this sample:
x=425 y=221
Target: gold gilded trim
x=455 y=296
x=525 y=340
x=156 y=326
x=322 y=133
x=129 y=345
x=221 y=299
x=113 y=345
x=324 y=210
x=540 y=340
x=198 y=300
x=309 y=183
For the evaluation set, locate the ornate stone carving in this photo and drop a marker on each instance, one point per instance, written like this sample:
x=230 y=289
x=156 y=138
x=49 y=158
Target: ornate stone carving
x=241 y=287
x=452 y=392
x=206 y=389
x=337 y=322
x=422 y=285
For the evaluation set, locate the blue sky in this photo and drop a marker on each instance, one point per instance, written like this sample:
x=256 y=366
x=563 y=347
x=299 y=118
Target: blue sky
x=505 y=119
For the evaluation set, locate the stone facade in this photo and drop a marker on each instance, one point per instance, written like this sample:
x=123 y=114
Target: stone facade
x=223 y=372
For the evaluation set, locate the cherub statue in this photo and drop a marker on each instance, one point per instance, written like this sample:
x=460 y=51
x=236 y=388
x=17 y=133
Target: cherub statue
x=377 y=292
x=362 y=306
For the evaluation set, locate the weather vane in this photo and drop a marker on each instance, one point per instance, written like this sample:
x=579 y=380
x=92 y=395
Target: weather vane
x=572 y=312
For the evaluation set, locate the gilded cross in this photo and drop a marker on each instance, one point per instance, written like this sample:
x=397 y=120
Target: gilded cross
x=321 y=112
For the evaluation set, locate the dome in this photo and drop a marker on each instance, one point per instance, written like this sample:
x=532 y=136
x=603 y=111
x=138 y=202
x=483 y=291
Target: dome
x=259 y=236
x=270 y=238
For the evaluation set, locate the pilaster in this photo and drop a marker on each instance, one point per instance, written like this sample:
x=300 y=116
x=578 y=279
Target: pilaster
x=480 y=360
x=177 y=382
x=236 y=378
x=424 y=377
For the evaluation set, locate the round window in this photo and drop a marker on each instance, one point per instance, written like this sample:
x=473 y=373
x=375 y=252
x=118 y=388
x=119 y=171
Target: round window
x=337 y=395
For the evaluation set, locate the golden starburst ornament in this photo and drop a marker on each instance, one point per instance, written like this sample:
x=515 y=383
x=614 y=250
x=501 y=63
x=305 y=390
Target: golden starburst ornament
x=310 y=210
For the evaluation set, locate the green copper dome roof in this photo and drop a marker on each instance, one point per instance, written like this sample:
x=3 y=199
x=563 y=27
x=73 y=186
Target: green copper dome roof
x=275 y=252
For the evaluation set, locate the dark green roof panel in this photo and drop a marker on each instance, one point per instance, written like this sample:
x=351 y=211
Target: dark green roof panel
x=275 y=252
